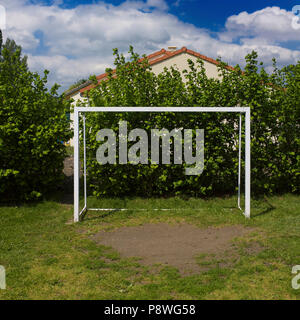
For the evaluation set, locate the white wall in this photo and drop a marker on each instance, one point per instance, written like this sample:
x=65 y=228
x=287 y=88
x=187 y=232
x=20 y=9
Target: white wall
x=180 y=61
x=76 y=97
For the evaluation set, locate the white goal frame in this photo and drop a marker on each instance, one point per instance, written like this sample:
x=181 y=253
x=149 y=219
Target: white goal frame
x=239 y=110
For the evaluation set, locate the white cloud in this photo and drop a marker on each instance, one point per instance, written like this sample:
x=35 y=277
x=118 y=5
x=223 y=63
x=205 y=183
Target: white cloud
x=79 y=41
x=160 y=4
x=66 y=70
x=271 y=24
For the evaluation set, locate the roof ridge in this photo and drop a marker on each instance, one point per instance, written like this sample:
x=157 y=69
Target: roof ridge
x=166 y=55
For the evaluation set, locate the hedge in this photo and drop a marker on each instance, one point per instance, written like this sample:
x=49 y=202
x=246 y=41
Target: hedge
x=275 y=106
x=33 y=127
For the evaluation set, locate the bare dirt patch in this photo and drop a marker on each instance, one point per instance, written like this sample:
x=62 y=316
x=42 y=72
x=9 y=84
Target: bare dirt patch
x=173 y=245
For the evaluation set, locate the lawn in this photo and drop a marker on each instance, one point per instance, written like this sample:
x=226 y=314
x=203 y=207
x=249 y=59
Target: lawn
x=46 y=256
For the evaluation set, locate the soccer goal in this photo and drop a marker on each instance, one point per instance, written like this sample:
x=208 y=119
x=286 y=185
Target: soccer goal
x=81 y=111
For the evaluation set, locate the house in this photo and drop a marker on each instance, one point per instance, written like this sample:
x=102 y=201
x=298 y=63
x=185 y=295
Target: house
x=158 y=61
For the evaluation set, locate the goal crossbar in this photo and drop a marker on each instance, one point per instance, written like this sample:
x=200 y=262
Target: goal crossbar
x=83 y=110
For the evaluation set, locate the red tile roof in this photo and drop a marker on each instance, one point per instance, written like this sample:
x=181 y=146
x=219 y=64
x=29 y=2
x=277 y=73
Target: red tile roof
x=157 y=57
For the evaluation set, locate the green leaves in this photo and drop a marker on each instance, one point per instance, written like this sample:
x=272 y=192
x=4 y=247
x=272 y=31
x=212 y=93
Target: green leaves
x=275 y=113
x=33 y=125
x=275 y=107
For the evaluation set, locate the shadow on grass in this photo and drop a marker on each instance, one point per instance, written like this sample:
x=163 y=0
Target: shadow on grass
x=101 y=215
x=267 y=210
x=264 y=211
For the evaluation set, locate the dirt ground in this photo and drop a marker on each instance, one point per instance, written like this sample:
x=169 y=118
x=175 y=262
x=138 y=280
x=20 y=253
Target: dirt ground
x=69 y=166
x=68 y=185
x=174 y=245
x=179 y=245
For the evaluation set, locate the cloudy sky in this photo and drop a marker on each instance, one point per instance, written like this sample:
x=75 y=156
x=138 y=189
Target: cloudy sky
x=74 y=39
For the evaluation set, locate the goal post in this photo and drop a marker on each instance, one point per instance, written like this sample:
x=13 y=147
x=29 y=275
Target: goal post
x=83 y=110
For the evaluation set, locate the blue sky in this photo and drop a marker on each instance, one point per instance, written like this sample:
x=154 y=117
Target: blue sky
x=74 y=39
x=205 y=14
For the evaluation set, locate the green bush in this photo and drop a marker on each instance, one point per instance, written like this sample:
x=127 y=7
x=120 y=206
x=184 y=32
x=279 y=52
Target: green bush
x=33 y=126
x=274 y=102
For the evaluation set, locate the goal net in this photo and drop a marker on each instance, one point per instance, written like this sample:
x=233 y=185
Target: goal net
x=109 y=157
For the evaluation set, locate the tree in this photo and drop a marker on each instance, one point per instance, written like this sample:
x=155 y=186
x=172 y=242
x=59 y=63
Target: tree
x=11 y=48
x=33 y=127
x=274 y=102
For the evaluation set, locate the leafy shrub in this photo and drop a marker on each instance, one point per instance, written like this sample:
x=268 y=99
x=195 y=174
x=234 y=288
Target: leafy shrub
x=274 y=102
x=33 y=125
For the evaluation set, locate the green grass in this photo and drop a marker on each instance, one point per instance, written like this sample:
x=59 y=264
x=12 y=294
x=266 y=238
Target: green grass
x=48 y=257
